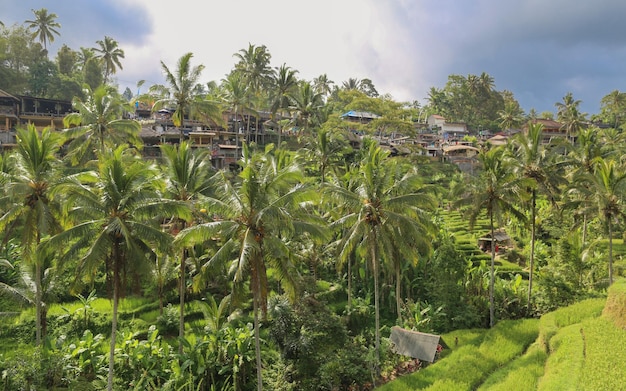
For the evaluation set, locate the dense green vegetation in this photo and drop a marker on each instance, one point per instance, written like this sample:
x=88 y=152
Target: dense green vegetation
x=287 y=272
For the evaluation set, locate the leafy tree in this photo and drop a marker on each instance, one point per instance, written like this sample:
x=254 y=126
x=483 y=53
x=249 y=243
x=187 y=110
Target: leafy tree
x=605 y=187
x=66 y=60
x=533 y=161
x=110 y=54
x=28 y=201
x=613 y=107
x=187 y=171
x=305 y=105
x=98 y=124
x=44 y=26
x=183 y=93
x=382 y=218
x=568 y=113
x=496 y=192
x=257 y=214
x=284 y=83
x=113 y=212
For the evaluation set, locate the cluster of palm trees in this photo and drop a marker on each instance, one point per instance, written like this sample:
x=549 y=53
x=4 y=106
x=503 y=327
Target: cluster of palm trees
x=586 y=178
x=86 y=199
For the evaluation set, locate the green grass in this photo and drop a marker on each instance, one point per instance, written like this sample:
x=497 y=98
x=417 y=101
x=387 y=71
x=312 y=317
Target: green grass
x=604 y=356
x=468 y=365
x=563 y=366
x=550 y=323
x=520 y=374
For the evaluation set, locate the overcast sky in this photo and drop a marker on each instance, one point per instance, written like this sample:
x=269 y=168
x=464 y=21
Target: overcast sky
x=538 y=49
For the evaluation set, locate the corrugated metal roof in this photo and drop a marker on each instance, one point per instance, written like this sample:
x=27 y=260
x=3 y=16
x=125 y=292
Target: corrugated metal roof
x=418 y=345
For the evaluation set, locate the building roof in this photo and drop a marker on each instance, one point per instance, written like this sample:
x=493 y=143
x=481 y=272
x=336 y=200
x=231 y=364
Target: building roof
x=418 y=345
x=360 y=114
x=451 y=148
x=4 y=94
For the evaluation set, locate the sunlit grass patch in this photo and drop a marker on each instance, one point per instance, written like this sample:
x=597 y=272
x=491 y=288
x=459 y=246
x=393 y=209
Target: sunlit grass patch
x=520 y=374
x=562 y=370
x=575 y=313
x=604 y=356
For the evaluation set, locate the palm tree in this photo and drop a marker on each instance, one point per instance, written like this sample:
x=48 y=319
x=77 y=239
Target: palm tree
x=114 y=210
x=184 y=94
x=605 y=187
x=305 y=105
x=187 y=171
x=382 y=218
x=496 y=191
x=284 y=83
x=29 y=204
x=44 y=27
x=531 y=160
x=110 y=54
x=97 y=124
x=257 y=214
x=323 y=85
x=325 y=151
x=613 y=105
x=568 y=113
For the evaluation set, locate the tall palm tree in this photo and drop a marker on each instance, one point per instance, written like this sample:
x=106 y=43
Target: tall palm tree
x=113 y=210
x=284 y=83
x=532 y=160
x=110 y=54
x=97 y=124
x=382 y=218
x=613 y=105
x=323 y=85
x=496 y=192
x=305 y=105
x=183 y=93
x=606 y=187
x=187 y=171
x=568 y=113
x=325 y=151
x=29 y=205
x=257 y=212
x=44 y=27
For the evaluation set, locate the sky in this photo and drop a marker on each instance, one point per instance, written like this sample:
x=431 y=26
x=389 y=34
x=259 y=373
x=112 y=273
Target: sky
x=538 y=49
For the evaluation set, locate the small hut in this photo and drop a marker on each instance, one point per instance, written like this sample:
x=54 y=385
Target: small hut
x=414 y=344
x=501 y=238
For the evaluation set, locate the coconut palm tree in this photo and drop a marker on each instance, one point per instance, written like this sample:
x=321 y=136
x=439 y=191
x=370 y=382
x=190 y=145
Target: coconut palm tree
x=605 y=187
x=44 y=27
x=110 y=54
x=187 y=172
x=496 y=192
x=113 y=212
x=97 y=124
x=613 y=105
x=323 y=85
x=257 y=212
x=532 y=160
x=28 y=204
x=184 y=94
x=568 y=113
x=305 y=105
x=284 y=83
x=381 y=217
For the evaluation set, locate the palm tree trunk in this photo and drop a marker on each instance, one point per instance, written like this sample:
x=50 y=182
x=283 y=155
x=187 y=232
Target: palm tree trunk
x=181 y=291
x=377 y=309
x=610 y=252
x=532 y=248
x=38 y=306
x=398 y=291
x=116 y=284
x=492 y=273
x=350 y=281
x=257 y=338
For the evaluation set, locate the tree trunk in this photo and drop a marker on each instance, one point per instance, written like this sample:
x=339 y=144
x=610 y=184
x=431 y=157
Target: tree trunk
x=610 y=253
x=181 y=291
x=532 y=249
x=116 y=278
x=350 y=281
x=492 y=273
x=377 y=310
x=398 y=292
x=257 y=338
x=38 y=295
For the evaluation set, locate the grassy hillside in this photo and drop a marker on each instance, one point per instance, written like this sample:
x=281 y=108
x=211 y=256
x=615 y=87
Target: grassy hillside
x=579 y=347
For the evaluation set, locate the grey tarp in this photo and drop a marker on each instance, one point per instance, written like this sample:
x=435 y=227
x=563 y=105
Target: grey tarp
x=418 y=345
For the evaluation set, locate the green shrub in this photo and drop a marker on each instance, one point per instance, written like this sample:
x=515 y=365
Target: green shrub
x=169 y=321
